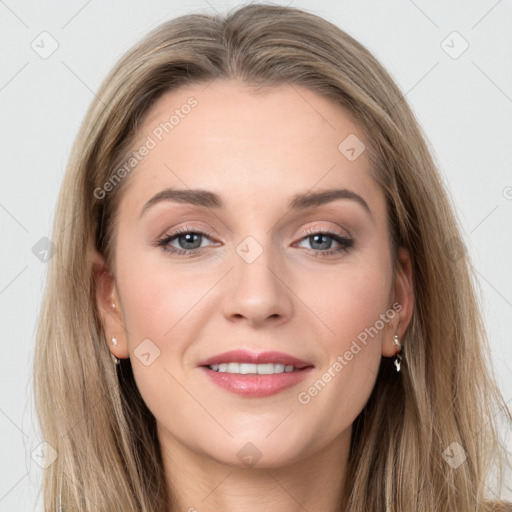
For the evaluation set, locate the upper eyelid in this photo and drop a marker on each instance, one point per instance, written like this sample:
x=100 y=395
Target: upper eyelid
x=203 y=230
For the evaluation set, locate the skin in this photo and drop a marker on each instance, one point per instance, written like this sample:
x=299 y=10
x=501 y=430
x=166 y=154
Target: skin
x=256 y=150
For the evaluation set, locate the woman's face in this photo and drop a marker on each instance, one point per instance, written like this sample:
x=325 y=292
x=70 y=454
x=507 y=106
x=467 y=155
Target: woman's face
x=264 y=261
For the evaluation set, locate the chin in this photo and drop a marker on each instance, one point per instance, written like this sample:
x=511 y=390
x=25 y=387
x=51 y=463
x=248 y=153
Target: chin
x=259 y=452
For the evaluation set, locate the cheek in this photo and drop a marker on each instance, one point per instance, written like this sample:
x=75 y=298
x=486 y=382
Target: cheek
x=356 y=309
x=351 y=300
x=157 y=301
x=158 y=307
x=162 y=311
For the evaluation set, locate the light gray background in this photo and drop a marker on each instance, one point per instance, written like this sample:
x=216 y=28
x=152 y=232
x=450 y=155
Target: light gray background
x=464 y=105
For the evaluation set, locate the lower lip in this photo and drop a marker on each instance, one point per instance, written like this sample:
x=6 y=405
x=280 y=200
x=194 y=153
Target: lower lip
x=257 y=386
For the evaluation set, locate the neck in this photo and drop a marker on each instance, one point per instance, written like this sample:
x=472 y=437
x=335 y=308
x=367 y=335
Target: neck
x=199 y=483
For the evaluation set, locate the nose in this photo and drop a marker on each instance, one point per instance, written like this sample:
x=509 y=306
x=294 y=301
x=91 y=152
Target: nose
x=258 y=293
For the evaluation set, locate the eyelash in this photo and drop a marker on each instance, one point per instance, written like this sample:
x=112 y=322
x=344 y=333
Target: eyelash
x=345 y=243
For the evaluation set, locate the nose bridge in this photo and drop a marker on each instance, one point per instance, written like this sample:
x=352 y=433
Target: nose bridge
x=258 y=292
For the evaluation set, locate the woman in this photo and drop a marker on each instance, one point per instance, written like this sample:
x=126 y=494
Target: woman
x=252 y=227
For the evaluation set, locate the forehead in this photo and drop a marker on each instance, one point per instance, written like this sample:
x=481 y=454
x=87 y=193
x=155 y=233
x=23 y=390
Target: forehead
x=249 y=144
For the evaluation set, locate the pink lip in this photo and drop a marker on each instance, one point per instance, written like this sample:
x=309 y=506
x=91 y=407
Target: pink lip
x=252 y=385
x=244 y=356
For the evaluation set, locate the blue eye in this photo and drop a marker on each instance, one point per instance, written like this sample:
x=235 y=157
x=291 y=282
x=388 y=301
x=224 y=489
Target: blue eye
x=187 y=240
x=323 y=240
x=190 y=242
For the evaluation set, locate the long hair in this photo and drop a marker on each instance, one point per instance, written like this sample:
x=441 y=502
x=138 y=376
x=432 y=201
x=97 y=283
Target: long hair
x=91 y=412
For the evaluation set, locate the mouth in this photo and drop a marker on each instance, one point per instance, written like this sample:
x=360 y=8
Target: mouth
x=255 y=375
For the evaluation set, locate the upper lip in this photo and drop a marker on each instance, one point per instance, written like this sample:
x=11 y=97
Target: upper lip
x=245 y=356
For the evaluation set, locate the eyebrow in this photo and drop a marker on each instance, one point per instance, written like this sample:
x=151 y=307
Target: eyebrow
x=298 y=202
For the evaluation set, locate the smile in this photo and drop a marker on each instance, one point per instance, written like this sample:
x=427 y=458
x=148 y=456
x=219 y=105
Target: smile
x=248 y=368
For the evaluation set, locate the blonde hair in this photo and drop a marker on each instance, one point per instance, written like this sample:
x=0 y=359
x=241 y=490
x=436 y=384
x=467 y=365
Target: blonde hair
x=91 y=412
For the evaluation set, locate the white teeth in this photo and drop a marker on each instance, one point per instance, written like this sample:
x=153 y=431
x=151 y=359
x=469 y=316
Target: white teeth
x=245 y=368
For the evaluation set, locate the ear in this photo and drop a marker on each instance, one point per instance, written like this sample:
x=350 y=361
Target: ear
x=109 y=307
x=403 y=297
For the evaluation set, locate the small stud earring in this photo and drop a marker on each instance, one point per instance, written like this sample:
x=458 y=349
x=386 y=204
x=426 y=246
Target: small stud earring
x=396 y=341
x=114 y=358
